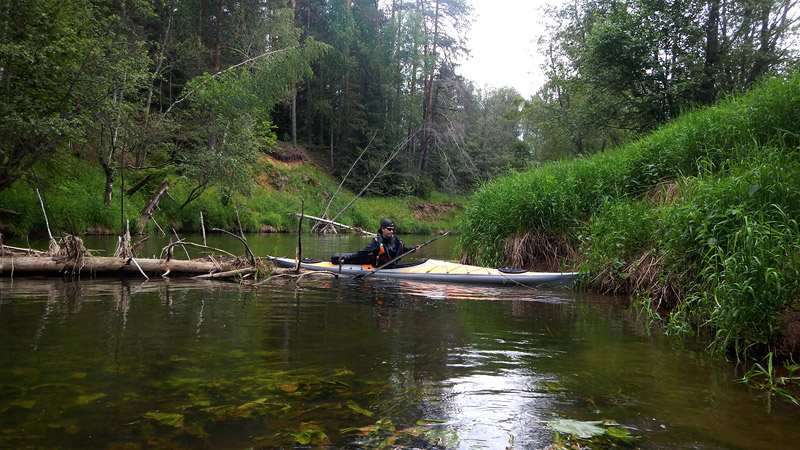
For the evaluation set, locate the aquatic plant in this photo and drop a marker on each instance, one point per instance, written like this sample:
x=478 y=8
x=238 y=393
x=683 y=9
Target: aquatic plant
x=767 y=379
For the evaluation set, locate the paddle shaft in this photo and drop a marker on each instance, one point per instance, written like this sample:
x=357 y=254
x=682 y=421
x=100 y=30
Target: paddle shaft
x=404 y=254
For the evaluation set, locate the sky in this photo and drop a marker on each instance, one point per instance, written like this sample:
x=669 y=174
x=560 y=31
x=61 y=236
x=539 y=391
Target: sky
x=503 y=43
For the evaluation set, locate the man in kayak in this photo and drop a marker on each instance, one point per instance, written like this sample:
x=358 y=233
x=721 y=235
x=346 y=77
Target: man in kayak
x=382 y=248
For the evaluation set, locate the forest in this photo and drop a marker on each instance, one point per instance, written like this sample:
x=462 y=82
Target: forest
x=199 y=90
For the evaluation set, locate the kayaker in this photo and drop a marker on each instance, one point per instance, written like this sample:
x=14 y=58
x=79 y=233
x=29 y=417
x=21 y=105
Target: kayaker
x=381 y=249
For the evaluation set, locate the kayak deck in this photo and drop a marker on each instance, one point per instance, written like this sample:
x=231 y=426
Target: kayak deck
x=437 y=270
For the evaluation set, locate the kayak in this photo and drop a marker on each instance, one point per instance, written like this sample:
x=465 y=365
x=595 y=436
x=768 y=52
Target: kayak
x=443 y=271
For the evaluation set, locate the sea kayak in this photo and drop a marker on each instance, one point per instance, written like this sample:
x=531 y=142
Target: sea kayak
x=442 y=271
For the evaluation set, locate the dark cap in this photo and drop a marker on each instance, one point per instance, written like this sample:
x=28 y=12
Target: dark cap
x=386 y=223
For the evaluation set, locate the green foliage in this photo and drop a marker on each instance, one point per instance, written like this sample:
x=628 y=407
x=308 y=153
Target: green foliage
x=64 y=63
x=616 y=70
x=597 y=433
x=560 y=197
x=732 y=239
x=73 y=194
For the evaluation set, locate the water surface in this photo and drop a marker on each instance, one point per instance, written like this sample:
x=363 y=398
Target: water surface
x=340 y=363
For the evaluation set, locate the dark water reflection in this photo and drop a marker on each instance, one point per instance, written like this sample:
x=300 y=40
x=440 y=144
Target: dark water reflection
x=352 y=364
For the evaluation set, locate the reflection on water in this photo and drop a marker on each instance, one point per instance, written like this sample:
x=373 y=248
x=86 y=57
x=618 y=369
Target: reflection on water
x=343 y=363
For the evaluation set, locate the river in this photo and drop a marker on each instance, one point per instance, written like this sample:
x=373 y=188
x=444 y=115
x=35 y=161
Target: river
x=341 y=363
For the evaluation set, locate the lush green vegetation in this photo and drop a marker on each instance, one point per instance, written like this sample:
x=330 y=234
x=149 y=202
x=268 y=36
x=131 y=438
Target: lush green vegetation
x=197 y=88
x=701 y=215
x=72 y=195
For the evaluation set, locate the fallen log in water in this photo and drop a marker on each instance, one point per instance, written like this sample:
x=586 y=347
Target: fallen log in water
x=90 y=265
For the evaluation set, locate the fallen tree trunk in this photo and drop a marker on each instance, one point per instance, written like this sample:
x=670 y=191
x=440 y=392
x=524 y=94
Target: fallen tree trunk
x=10 y=265
x=150 y=208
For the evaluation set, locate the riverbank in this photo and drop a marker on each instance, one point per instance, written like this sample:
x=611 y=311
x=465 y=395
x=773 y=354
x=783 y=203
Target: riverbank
x=72 y=195
x=698 y=219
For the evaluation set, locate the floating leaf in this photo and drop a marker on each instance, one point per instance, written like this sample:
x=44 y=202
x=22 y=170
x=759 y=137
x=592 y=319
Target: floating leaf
x=169 y=419
x=583 y=430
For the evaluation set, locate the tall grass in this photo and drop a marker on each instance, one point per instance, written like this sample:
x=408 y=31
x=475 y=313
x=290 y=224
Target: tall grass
x=734 y=240
x=560 y=198
x=73 y=198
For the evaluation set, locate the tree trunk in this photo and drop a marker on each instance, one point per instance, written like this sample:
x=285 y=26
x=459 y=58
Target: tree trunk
x=98 y=264
x=294 y=115
x=109 y=184
x=428 y=113
x=150 y=208
x=135 y=188
x=708 y=85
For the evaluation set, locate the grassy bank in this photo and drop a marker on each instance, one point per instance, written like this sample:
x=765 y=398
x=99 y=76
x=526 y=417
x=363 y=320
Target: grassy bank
x=700 y=217
x=73 y=194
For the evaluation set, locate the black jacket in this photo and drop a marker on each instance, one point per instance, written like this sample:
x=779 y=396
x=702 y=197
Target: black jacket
x=371 y=254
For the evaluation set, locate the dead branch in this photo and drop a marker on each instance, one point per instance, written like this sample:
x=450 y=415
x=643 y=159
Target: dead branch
x=397 y=150
x=296 y=276
x=133 y=260
x=246 y=247
x=29 y=251
x=150 y=208
x=141 y=241
x=53 y=249
x=299 y=236
x=101 y=264
x=227 y=274
x=315 y=228
x=168 y=248
x=182 y=246
x=340 y=225
x=124 y=249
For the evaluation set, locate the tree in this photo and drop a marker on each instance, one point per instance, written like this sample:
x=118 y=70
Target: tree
x=618 y=69
x=59 y=70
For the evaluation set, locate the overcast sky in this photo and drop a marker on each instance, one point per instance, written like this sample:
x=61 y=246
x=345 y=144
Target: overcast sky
x=503 y=42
